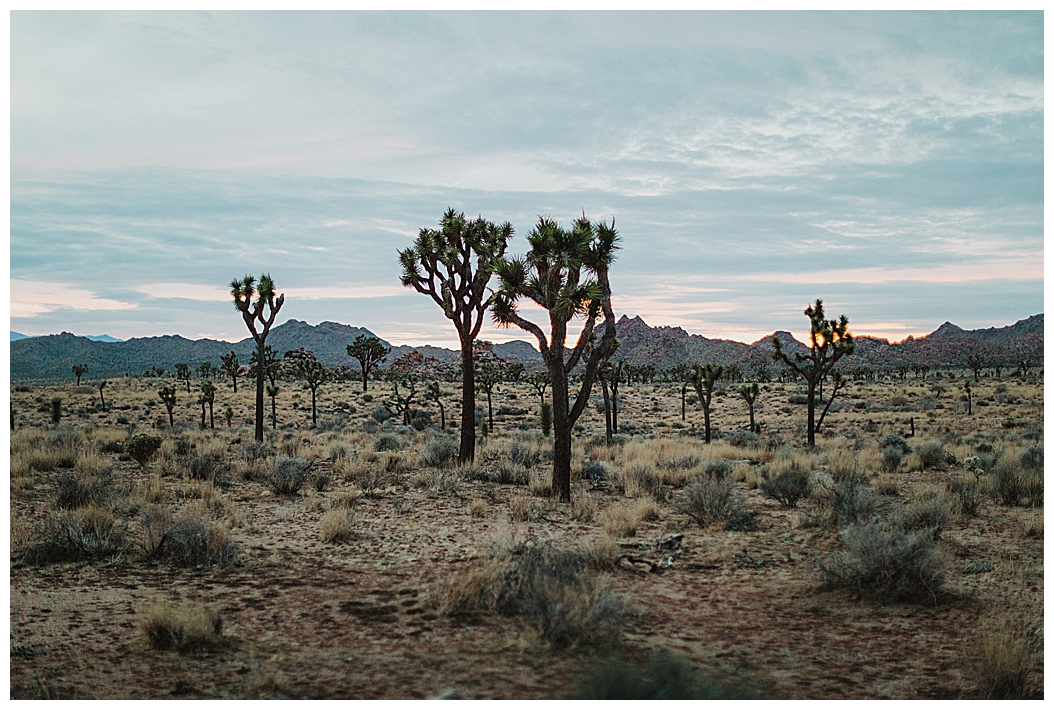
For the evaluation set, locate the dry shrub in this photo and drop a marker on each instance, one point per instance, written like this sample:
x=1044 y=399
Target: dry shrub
x=886 y=564
x=639 y=478
x=541 y=485
x=619 y=521
x=930 y=515
x=713 y=503
x=1001 y=665
x=187 y=541
x=77 y=490
x=968 y=494
x=208 y=466
x=437 y=481
x=91 y=463
x=337 y=525
x=663 y=677
x=524 y=509
x=887 y=485
x=1032 y=526
x=181 y=628
x=477 y=508
x=601 y=553
x=843 y=464
x=150 y=490
x=646 y=509
x=287 y=476
x=788 y=486
x=583 y=506
x=90 y=533
x=347 y=499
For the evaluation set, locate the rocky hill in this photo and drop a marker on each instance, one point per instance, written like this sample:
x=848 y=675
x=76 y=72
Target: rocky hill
x=50 y=357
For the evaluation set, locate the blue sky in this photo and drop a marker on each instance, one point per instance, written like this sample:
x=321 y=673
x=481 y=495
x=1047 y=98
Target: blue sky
x=889 y=163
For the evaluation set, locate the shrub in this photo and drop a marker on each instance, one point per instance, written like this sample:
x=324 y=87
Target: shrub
x=717 y=469
x=255 y=450
x=77 y=491
x=1006 y=483
x=380 y=414
x=337 y=525
x=788 y=486
x=142 y=447
x=320 y=480
x=181 y=628
x=886 y=564
x=477 y=508
x=853 y=502
x=711 y=502
x=524 y=453
x=189 y=541
x=969 y=495
x=1002 y=664
x=743 y=438
x=208 y=467
x=594 y=471
x=387 y=442
x=619 y=521
x=89 y=533
x=508 y=473
x=930 y=515
x=798 y=399
x=891 y=457
x=440 y=451
x=287 y=476
x=931 y=456
x=896 y=442
x=664 y=676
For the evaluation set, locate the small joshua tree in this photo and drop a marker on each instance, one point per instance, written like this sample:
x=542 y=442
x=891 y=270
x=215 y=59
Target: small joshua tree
x=434 y=393
x=183 y=374
x=489 y=373
x=208 y=391
x=969 y=397
x=369 y=351
x=272 y=392
x=453 y=265
x=230 y=368
x=262 y=311
x=158 y=371
x=976 y=363
x=56 y=410
x=539 y=381
x=202 y=400
x=403 y=403
x=79 y=372
x=830 y=342
x=229 y=416
x=566 y=273
x=167 y=393
x=314 y=373
x=703 y=378
x=102 y=400
x=749 y=392
x=682 y=373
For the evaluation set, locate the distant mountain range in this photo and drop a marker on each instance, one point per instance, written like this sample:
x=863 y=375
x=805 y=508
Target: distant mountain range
x=104 y=338
x=50 y=357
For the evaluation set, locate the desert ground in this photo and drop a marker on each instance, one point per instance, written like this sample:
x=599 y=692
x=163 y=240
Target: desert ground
x=356 y=559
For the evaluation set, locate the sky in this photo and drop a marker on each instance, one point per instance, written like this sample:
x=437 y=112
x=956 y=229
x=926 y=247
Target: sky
x=888 y=163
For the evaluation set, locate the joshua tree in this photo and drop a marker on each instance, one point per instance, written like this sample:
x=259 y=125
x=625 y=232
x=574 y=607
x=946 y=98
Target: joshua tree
x=976 y=362
x=830 y=341
x=403 y=403
x=368 y=351
x=167 y=393
x=230 y=368
x=208 y=391
x=566 y=273
x=206 y=371
x=453 y=265
x=270 y=364
x=272 y=392
x=682 y=373
x=56 y=410
x=314 y=373
x=1024 y=366
x=540 y=382
x=102 y=400
x=603 y=375
x=78 y=372
x=749 y=392
x=229 y=416
x=158 y=371
x=202 y=400
x=761 y=372
x=434 y=393
x=969 y=397
x=837 y=383
x=489 y=373
x=183 y=374
x=703 y=378
x=263 y=311
x=514 y=372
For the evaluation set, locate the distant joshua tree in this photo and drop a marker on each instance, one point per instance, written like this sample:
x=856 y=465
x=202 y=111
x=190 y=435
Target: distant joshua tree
x=403 y=403
x=272 y=392
x=230 y=368
x=208 y=393
x=830 y=341
x=167 y=393
x=314 y=373
x=79 y=371
x=566 y=273
x=453 y=265
x=262 y=311
x=102 y=400
x=749 y=392
x=976 y=362
x=158 y=371
x=368 y=351
x=703 y=378
x=183 y=374
x=434 y=393
x=540 y=382
x=206 y=371
x=489 y=374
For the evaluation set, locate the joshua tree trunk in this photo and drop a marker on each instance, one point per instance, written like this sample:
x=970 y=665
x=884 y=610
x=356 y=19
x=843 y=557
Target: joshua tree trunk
x=314 y=418
x=684 y=392
x=614 y=406
x=811 y=416
x=274 y=415
x=467 y=452
x=607 y=410
x=750 y=408
x=561 y=432
x=490 y=413
x=212 y=422
x=260 y=363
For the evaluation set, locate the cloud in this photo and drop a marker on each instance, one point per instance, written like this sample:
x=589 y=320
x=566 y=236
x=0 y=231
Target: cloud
x=33 y=298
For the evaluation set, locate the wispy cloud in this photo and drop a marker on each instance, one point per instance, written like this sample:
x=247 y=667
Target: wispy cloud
x=33 y=298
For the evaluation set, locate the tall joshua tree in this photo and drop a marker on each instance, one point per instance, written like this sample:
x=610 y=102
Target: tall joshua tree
x=262 y=311
x=703 y=378
x=183 y=373
x=368 y=351
x=230 y=368
x=78 y=372
x=830 y=341
x=453 y=265
x=167 y=393
x=566 y=273
x=314 y=373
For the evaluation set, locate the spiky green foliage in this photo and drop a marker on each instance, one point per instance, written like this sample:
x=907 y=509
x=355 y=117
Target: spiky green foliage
x=703 y=378
x=830 y=341
x=368 y=351
x=566 y=273
x=262 y=311
x=208 y=396
x=167 y=393
x=749 y=391
x=230 y=367
x=79 y=371
x=183 y=374
x=453 y=265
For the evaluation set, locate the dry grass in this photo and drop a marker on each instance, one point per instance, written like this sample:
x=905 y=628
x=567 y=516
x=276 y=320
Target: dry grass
x=181 y=628
x=477 y=508
x=620 y=521
x=1002 y=663
x=337 y=525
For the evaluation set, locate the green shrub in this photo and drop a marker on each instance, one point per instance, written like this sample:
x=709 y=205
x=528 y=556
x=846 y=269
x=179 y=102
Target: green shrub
x=932 y=456
x=440 y=451
x=287 y=476
x=142 y=447
x=711 y=502
x=891 y=457
x=894 y=441
x=853 y=501
x=387 y=442
x=717 y=469
x=664 y=676
x=90 y=533
x=788 y=486
x=76 y=490
x=886 y=564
